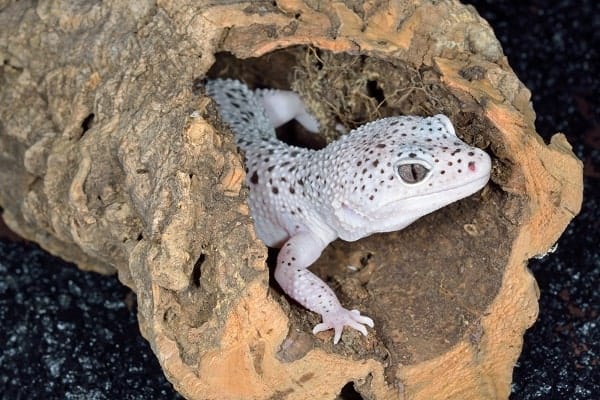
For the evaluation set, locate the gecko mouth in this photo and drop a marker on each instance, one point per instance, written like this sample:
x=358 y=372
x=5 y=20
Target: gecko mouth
x=402 y=213
x=477 y=183
x=446 y=192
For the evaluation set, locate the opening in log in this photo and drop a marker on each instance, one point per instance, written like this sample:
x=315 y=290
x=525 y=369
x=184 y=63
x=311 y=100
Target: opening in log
x=426 y=286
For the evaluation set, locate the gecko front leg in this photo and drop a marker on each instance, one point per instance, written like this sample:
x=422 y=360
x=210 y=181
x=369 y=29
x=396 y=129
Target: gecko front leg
x=296 y=255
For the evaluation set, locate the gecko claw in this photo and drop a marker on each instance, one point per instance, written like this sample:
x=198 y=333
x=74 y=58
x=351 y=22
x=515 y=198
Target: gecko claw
x=336 y=320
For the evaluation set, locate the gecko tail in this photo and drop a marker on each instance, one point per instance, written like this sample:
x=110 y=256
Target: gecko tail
x=240 y=108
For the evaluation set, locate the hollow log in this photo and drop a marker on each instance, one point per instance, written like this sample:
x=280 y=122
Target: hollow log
x=113 y=157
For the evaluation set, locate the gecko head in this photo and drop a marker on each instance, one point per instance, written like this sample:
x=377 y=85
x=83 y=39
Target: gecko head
x=408 y=167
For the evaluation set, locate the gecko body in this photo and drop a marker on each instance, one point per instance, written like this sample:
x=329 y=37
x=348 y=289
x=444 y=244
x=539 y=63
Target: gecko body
x=380 y=177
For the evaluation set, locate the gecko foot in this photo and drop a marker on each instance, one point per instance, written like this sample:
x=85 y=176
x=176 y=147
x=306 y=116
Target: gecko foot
x=336 y=320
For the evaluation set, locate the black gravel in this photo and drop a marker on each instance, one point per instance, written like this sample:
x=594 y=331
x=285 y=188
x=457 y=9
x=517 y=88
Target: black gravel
x=67 y=334
x=554 y=46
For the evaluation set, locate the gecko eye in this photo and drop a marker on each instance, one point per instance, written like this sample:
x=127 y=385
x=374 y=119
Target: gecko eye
x=412 y=173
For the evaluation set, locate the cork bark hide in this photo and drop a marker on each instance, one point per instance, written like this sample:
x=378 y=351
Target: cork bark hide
x=111 y=156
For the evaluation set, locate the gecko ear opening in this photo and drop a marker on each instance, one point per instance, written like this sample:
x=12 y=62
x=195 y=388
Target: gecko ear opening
x=350 y=217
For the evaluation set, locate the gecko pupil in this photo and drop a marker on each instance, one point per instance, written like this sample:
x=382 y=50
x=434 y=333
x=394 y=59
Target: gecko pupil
x=412 y=173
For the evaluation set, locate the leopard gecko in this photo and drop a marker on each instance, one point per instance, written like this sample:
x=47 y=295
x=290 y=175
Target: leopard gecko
x=380 y=177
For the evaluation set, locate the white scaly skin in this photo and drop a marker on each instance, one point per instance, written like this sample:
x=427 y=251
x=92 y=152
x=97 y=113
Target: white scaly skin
x=379 y=177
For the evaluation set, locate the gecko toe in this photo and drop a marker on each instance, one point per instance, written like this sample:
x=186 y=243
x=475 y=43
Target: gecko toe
x=362 y=319
x=320 y=328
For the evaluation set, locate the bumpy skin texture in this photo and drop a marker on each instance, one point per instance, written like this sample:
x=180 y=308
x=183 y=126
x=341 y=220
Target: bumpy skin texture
x=378 y=178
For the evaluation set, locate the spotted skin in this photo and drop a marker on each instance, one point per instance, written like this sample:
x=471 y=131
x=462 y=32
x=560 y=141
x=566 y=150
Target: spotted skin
x=379 y=177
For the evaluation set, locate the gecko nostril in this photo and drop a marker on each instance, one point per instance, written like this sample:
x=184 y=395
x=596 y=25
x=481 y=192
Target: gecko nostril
x=472 y=166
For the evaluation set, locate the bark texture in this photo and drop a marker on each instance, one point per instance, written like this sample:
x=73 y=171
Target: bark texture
x=112 y=157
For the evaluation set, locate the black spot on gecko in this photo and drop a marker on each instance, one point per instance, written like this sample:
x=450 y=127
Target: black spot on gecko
x=254 y=178
x=292 y=190
x=412 y=155
x=270 y=168
x=274 y=190
x=375 y=163
x=381 y=145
